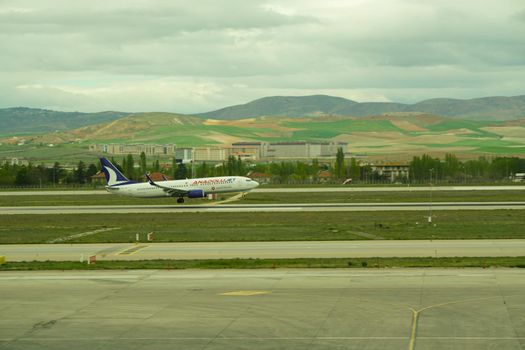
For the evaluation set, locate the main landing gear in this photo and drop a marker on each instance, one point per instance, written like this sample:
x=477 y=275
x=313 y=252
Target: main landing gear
x=180 y=200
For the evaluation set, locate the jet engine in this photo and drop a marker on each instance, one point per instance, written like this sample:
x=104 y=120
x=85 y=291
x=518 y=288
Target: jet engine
x=196 y=194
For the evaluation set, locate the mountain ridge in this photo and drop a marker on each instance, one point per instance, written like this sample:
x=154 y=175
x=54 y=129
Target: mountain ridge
x=24 y=120
x=484 y=108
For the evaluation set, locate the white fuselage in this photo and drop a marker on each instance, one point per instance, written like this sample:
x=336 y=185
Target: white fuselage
x=209 y=185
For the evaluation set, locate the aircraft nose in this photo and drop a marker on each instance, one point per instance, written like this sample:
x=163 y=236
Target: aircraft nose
x=255 y=184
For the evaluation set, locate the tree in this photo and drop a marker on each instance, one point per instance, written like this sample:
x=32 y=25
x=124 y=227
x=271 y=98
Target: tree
x=202 y=170
x=315 y=169
x=143 y=163
x=181 y=172
x=80 y=173
x=22 y=177
x=129 y=168
x=355 y=169
x=340 y=164
x=451 y=167
x=7 y=175
x=55 y=174
x=91 y=170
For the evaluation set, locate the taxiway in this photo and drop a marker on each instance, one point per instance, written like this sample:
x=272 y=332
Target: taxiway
x=232 y=208
x=400 y=309
x=265 y=250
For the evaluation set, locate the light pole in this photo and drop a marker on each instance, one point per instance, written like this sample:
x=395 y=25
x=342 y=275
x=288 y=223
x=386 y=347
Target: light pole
x=430 y=195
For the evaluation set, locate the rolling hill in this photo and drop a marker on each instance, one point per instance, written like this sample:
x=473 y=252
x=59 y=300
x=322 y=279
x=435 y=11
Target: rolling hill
x=397 y=135
x=487 y=108
x=22 y=120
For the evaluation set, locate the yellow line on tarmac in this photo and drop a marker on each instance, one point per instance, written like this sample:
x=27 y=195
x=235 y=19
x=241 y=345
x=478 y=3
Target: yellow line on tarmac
x=231 y=199
x=415 y=316
x=132 y=250
x=246 y=293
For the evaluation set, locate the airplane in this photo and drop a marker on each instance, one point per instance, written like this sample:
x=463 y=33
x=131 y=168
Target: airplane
x=117 y=183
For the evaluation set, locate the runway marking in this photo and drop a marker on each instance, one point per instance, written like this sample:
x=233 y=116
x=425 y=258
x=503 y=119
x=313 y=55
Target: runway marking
x=246 y=293
x=231 y=199
x=83 y=234
x=132 y=250
x=416 y=313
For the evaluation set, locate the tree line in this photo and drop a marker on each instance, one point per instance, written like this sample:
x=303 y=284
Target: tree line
x=421 y=169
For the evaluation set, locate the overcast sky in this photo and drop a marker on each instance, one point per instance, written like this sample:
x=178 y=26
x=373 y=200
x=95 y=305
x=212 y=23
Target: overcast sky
x=195 y=56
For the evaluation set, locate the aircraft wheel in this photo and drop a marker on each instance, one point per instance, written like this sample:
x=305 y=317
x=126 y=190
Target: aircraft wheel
x=180 y=200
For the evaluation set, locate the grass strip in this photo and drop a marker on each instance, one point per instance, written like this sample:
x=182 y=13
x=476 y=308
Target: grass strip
x=250 y=227
x=274 y=198
x=483 y=262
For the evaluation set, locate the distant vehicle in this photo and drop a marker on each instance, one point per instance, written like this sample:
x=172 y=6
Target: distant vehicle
x=519 y=177
x=117 y=183
x=347 y=182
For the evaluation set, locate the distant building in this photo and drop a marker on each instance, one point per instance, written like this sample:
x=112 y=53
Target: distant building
x=203 y=154
x=18 y=161
x=325 y=176
x=286 y=150
x=137 y=149
x=98 y=178
x=519 y=177
x=392 y=170
x=246 y=150
x=250 y=150
x=184 y=155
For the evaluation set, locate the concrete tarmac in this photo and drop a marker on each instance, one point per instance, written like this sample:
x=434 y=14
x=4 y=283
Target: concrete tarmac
x=291 y=190
x=265 y=250
x=234 y=208
x=396 y=309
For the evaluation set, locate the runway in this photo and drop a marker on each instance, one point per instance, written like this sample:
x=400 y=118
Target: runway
x=233 y=208
x=396 y=309
x=265 y=250
x=289 y=190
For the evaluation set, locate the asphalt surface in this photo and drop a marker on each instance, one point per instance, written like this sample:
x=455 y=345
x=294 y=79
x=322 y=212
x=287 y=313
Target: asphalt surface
x=264 y=309
x=233 y=208
x=291 y=189
x=296 y=249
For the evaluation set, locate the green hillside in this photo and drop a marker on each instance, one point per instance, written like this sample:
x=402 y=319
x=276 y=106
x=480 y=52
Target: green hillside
x=397 y=136
x=487 y=108
x=18 y=121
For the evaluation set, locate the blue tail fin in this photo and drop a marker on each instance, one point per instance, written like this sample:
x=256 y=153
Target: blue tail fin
x=113 y=175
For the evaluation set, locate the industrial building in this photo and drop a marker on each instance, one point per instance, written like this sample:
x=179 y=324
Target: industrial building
x=254 y=151
x=122 y=148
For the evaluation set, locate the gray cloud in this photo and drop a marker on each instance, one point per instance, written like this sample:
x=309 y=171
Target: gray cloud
x=195 y=56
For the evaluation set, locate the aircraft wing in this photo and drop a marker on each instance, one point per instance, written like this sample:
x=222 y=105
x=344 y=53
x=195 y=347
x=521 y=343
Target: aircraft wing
x=171 y=191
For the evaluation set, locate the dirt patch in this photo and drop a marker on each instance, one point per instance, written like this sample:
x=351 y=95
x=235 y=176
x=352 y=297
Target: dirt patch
x=407 y=125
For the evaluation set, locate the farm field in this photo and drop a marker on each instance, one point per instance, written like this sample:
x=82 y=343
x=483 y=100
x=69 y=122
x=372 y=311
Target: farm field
x=397 y=136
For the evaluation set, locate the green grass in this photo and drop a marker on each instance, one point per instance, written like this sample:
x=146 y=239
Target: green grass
x=473 y=125
x=278 y=226
x=69 y=153
x=324 y=130
x=273 y=263
x=274 y=198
